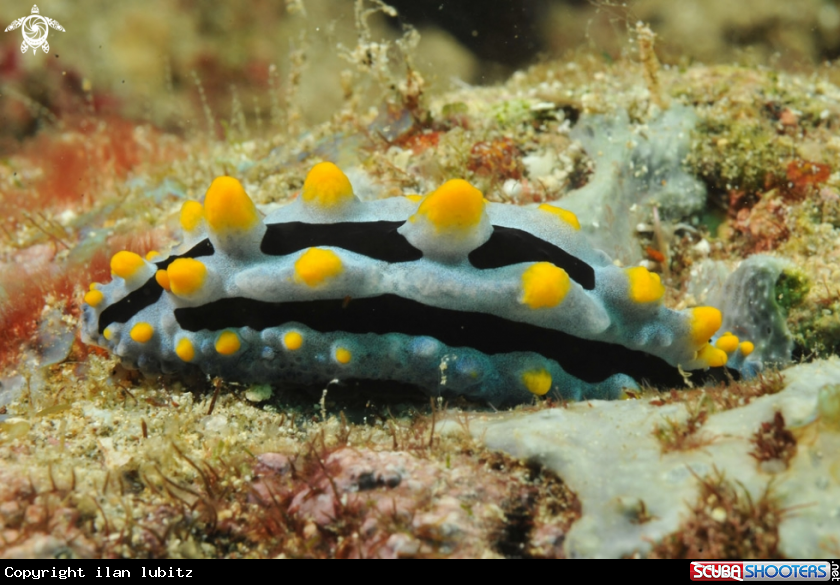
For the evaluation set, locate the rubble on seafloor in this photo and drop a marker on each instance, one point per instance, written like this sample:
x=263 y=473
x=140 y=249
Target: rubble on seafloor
x=97 y=461
x=780 y=451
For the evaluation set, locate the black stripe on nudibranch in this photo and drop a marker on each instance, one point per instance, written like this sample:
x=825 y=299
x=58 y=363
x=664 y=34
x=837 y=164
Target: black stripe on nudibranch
x=131 y=304
x=508 y=246
x=203 y=248
x=375 y=239
x=150 y=292
x=591 y=361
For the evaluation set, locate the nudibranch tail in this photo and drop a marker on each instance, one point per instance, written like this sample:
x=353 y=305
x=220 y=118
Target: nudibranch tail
x=446 y=291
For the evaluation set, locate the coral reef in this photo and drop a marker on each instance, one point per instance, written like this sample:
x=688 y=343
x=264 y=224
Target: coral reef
x=747 y=444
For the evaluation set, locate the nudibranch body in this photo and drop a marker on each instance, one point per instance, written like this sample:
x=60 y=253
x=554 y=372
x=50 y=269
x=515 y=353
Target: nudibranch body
x=448 y=292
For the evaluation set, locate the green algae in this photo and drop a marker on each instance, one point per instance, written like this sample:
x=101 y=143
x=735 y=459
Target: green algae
x=792 y=287
x=817 y=332
x=734 y=154
x=511 y=113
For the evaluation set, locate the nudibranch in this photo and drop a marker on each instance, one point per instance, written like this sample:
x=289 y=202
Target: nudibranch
x=448 y=292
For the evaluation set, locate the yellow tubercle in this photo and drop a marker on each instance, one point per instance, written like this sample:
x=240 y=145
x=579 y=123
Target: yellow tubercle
x=108 y=333
x=727 y=342
x=185 y=276
x=142 y=332
x=343 y=356
x=94 y=286
x=228 y=208
x=228 y=343
x=747 y=347
x=94 y=297
x=544 y=285
x=414 y=198
x=151 y=254
x=292 y=340
x=644 y=286
x=712 y=356
x=125 y=264
x=162 y=278
x=326 y=186
x=185 y=350
x=537 y=382
x=317 y=265
x=192 y=212
x=454 y=205
x=704 y=322
x=564 y=214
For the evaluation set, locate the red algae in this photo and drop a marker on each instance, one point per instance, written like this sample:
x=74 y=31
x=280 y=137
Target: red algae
x=34 y=274
x=72 y=165
x=803 y=175
x=421 y=141
x=499 y=158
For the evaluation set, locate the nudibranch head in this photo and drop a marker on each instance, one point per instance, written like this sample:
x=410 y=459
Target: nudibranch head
x=703 y=323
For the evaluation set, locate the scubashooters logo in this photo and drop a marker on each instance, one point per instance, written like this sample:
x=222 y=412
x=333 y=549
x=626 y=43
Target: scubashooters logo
x=763 y=571
x=35 y=29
